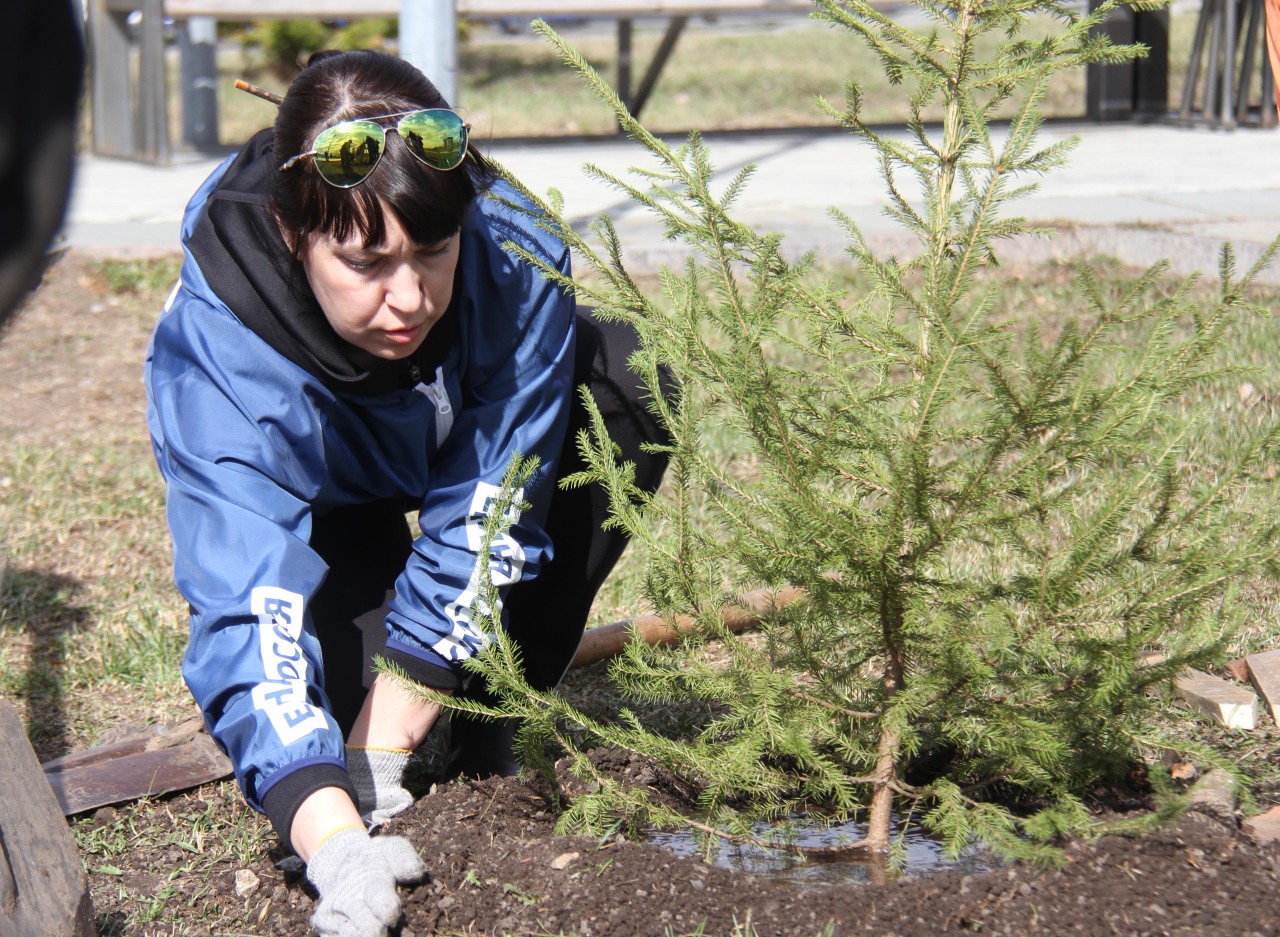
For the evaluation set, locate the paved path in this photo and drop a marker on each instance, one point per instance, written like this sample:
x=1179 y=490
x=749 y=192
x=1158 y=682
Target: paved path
x=1138 y=192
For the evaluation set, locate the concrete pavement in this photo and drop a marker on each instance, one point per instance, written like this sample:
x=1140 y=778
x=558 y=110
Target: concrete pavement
x=1138 y=192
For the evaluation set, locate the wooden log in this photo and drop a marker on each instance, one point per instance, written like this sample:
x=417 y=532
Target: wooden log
x=742 y=614
x=44 y=891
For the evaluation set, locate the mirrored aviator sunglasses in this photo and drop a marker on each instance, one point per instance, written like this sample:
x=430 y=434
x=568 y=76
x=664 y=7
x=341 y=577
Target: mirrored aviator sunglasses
x=347 y=153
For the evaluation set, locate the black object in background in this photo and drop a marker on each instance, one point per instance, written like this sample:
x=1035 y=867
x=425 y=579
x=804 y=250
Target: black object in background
x=41 y=72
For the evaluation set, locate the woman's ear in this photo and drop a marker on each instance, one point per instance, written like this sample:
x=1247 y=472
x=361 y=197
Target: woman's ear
x=290 y=237
x=293 y=240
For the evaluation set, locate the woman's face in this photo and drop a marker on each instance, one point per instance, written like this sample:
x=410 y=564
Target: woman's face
x=384 y=299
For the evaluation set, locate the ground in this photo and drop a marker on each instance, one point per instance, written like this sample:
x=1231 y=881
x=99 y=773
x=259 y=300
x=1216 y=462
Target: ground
x=73 y=366
x=496 y=867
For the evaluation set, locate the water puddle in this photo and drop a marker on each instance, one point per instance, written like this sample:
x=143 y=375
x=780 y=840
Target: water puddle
x=924 y=855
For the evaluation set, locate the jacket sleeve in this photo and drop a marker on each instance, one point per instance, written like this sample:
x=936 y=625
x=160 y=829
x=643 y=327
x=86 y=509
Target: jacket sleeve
x=241 y=462
x=517 y=336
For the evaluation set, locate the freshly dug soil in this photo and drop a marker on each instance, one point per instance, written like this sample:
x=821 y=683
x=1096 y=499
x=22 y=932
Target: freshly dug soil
x=497 y=868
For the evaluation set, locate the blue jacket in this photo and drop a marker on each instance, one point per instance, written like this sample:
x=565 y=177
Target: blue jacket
x=259 y=421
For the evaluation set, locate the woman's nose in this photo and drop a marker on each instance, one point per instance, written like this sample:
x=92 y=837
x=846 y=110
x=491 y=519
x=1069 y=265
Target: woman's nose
x=404 y=289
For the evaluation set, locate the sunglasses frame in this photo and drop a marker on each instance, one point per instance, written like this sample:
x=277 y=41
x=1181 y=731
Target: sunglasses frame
x=403 y=115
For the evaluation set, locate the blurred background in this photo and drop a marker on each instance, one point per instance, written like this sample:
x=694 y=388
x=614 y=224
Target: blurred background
x=687 y=69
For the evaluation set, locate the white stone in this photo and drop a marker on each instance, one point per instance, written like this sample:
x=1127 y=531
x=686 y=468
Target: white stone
x=562 y=861
x=246 y=882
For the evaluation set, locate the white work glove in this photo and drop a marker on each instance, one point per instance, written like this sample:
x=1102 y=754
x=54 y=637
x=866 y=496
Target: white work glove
x=377 y=774
x=356 y=875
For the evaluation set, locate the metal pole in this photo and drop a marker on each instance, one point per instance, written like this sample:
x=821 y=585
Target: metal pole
x=110 y=87
x=1197 y=49
x=198 y=43
x=624 y=61
x=1228 y=114
x=659 y=61
x=429 y=40
x=153 y=86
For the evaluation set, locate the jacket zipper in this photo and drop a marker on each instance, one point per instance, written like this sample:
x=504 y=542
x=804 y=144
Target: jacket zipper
x=436 y=393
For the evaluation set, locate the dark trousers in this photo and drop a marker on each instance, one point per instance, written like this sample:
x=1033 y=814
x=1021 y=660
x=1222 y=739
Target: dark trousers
x=367 y=545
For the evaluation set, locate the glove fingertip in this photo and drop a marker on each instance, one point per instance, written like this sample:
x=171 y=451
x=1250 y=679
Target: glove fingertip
x=410 y=870
x=402 y=859
x=325 y=921
x=330 y=922
x=385 y=907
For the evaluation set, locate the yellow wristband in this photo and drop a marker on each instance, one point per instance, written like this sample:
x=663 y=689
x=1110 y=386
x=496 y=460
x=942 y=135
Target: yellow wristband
x=334 y=832
x=379 y=748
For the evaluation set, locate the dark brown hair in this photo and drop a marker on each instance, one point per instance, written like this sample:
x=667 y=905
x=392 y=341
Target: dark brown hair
x=429 y=204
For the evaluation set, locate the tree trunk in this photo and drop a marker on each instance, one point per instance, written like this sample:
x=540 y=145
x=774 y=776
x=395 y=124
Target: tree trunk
x=880 y=823
x=44 y=891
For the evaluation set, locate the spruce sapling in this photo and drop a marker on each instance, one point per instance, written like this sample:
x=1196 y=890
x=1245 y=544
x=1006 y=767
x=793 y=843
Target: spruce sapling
x=989 y=524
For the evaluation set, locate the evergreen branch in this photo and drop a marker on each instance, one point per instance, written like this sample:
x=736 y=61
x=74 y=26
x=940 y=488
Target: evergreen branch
x=604 y=90
x=870 y=24
x=832 y=707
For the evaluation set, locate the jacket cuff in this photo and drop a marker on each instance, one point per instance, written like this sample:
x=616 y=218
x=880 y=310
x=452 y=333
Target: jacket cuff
x=438 y=676
x=286 y=795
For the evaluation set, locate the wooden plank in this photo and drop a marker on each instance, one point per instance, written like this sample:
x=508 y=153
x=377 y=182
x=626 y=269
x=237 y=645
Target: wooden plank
x=44 y=891
x=160 y=737
x=569 y=9
x=241 y=10
x=1230 y=704
x=130 y=770
x=1264 y=673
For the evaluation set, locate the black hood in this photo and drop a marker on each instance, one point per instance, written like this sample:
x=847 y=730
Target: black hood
x=245 y=261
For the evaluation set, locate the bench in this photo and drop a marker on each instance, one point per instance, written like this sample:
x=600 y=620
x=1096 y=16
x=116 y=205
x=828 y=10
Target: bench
x=135 y=125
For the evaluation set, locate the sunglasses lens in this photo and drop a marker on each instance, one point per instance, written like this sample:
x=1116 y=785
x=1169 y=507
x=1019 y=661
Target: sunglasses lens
x=347 y=152
x=437 y=137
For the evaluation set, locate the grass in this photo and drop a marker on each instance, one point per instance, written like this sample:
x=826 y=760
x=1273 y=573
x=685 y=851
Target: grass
x=122 y=634
x=217 y=836
x=716 y=79
x=128 y=277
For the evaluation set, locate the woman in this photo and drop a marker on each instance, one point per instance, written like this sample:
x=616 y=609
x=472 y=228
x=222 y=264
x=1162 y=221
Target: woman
x=350 y=341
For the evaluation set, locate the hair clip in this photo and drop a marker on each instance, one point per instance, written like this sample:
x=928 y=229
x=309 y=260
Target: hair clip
x=263 y=93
